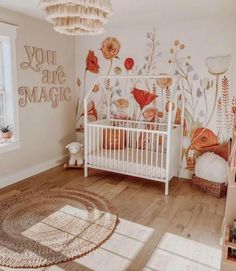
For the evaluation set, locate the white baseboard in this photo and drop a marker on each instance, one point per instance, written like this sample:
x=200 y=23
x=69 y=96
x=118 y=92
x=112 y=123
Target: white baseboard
x=30 y=171
x=186 y=174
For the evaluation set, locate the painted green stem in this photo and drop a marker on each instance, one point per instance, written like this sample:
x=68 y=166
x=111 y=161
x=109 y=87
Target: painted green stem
x=215 y=101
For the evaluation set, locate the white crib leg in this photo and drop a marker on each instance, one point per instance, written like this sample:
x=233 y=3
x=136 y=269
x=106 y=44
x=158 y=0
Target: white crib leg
x=85 y=171
x=166 y=188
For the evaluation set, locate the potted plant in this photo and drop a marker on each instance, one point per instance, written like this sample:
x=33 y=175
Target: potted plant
x=6 y=132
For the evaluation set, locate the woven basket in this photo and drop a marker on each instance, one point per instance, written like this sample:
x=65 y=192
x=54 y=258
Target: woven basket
x=214 y=189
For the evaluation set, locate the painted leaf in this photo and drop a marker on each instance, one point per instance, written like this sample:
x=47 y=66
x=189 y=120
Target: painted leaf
x=190 y=68
x=199 y=93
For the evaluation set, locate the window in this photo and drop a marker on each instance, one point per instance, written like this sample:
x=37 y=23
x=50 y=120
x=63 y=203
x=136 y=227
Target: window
x=8 y=86
x=2 y=93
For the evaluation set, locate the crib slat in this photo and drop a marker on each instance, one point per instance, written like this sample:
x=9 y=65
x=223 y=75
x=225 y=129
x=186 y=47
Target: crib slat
x=102 y=151
x=132 y=150
x=157 y=155
x=152 y=152
x=147 y=153
x=142 y=150
x=106 y=151
x=89 y=145
x=94 y=147
x=127 y=165
x=137 y=151
x=123 y=151
x=162 y=153
x=98 y=147
x=119 y=146
x=115 y=151
x=110 y=148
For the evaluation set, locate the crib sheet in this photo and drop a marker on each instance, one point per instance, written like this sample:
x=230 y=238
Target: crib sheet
x=130 y=161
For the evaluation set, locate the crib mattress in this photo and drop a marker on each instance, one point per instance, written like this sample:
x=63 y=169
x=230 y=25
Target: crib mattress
x=128 y=161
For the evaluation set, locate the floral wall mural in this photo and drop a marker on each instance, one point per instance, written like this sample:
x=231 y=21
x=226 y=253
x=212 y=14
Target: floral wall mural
x=210 y=101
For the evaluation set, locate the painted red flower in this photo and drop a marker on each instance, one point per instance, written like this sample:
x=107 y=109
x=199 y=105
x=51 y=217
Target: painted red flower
x=92 y=62
x=143 y=97
x=129 y=63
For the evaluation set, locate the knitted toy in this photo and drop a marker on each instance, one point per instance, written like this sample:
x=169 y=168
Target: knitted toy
x=76 y=154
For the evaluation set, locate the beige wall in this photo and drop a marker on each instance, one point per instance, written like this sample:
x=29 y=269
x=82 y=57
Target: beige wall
x=44 y=131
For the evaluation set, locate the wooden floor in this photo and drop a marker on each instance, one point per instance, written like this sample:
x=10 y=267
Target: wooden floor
x=178 y=232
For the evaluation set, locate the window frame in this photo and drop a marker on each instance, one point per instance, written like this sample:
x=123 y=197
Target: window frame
x=3 y=116
x=2 y=92
x=8 y=35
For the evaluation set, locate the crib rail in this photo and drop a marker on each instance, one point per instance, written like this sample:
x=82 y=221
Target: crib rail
x=137 y=148
x=132 y=151
x=132 y=125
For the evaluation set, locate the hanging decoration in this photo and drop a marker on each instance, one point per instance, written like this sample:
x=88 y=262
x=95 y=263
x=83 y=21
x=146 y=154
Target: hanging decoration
x=77 y=17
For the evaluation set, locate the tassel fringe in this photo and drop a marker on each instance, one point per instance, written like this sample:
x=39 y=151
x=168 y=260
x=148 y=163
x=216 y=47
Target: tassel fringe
x=61 y=11
x=77 y=17
x=77 y=31
x=104 y=5
x=76 y=22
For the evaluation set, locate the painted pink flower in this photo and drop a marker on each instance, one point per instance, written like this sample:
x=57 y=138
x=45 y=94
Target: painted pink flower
x=122 y=116
x=129 y=63
x=143 y=97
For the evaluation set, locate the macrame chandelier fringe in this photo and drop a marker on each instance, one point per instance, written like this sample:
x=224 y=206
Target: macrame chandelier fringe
x=62 y=11
x=76 y=22
x=77 y=31
x=104 y=5
x=77 y=17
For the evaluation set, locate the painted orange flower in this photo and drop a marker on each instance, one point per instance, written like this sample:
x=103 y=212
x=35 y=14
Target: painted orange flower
x=203 y=137
x=164 y=83
x=143 y=97
x=122 y=103
x=150 y=114
x=110 y=48
x=92 y=62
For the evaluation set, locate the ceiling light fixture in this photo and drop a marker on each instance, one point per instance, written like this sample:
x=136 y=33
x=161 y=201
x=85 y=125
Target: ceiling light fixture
x=77 y=17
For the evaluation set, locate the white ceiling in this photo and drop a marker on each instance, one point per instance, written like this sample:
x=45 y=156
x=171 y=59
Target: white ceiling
x=144 y=11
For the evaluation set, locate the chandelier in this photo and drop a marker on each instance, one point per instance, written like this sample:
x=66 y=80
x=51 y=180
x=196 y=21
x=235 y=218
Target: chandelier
x=77 y=17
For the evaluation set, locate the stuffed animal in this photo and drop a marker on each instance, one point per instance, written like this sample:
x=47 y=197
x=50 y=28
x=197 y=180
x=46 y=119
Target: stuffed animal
x=76 y=154
x=212 y=167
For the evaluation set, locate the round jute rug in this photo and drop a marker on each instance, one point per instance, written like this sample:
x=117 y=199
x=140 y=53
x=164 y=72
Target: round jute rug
x=43 y=228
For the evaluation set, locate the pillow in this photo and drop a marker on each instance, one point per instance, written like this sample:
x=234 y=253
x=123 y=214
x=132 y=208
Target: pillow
x=212 y=167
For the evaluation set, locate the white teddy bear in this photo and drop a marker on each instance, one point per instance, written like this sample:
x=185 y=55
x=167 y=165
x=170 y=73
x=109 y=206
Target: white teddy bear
x=76 y=154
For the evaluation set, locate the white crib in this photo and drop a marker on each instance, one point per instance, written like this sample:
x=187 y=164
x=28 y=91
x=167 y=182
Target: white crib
x=137 y=148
